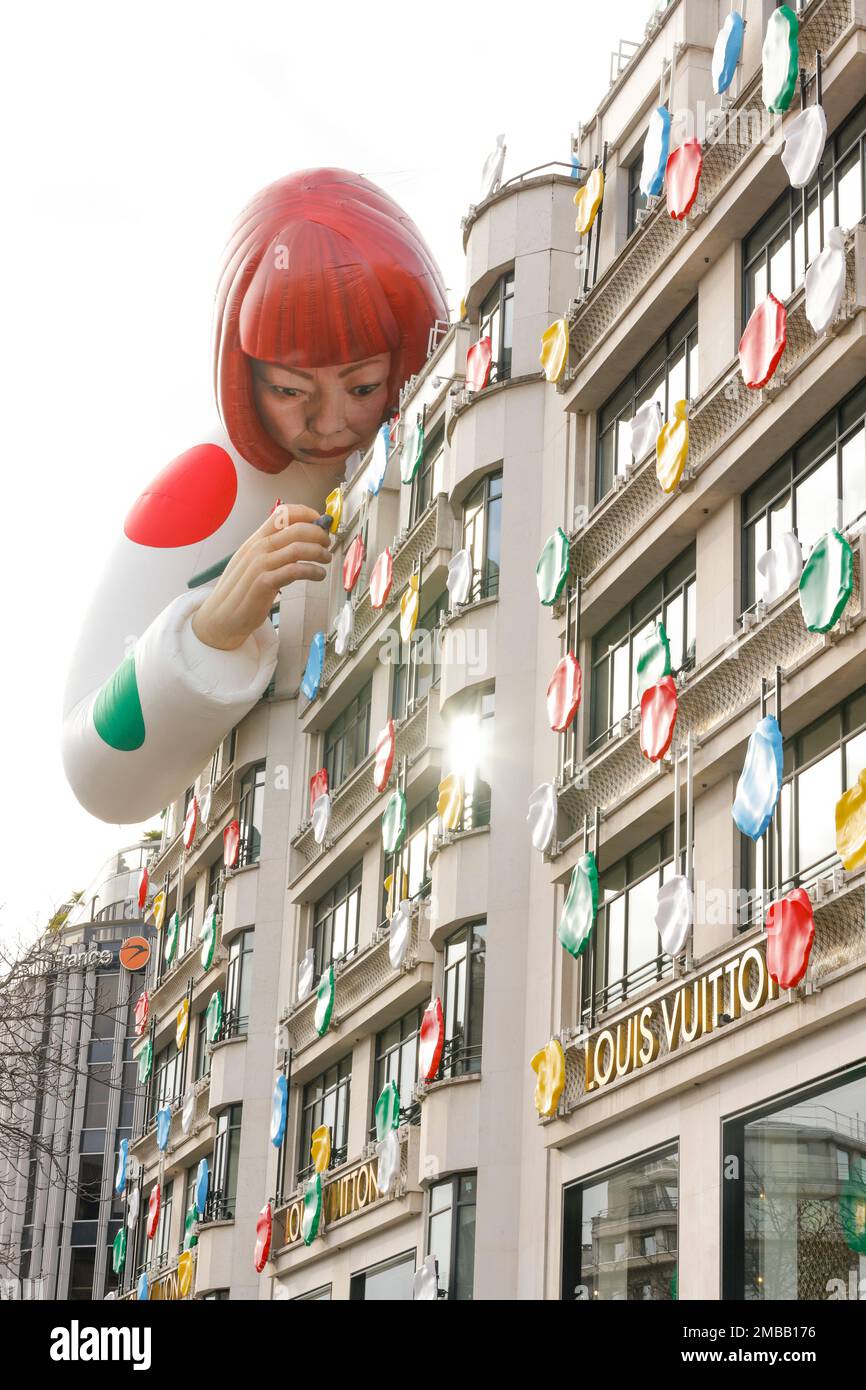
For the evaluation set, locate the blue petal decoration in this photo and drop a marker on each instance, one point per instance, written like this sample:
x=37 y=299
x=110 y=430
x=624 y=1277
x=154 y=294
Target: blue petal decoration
x=141 y=1295
x=163 y=1125
x=202 y=1178
x=279 y=1111
x=726 y=54
x=312 y=677
x=760 y=780
x=656 y=147
x=379 y=460
x=122 y=1160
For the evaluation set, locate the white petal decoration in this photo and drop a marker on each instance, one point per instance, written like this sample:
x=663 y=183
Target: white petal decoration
x=388 y=1169
x=133 y=1203
x=825 y=282
x=187 y=1114
x=542 y=815
x=645 y=429
x=779 y=567
x=459 y=579
x=400 y=930
x=305 y=974
x=344 y=627
x=321 y=817
x=674 y=914
x=805 y=138
x=378 y=461
x=425 y=1285
x=204 y=805
x=491 y=175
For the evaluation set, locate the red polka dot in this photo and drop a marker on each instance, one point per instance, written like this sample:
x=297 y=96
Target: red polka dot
x=187 y=501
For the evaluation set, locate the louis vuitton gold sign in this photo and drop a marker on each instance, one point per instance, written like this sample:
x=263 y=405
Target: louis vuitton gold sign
x=344 y=1194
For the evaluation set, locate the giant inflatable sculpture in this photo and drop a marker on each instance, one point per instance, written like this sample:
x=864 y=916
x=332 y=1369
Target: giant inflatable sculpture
x=325 y=301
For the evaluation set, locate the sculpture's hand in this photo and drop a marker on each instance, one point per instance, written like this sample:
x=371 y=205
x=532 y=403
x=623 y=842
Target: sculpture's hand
x=287 y=547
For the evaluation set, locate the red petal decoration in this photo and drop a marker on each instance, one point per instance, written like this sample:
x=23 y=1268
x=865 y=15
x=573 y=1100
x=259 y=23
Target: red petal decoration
x=763 y=342
x=190 y=825
x=231 y=844
x=318 y=786
x=352 y=563
x=683 y=178
x=142 y=889
x=187 y=501
x=658 y=715
x=142 y=1009
x=563 y=693
x=384 y=757
x=153 y=1211
x=264 y=1226
x=392 y=429
x=478 y=360
x=381 y=579
x=431 y=1039
x=790 y=933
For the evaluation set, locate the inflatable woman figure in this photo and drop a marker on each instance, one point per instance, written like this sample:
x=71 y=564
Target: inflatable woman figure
x=326 y=298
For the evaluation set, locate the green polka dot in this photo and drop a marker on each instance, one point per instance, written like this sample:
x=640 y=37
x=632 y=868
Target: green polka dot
x=117 y=715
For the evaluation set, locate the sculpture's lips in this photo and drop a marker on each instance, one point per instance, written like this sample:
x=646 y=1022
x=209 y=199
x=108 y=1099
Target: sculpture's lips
x=326 y=453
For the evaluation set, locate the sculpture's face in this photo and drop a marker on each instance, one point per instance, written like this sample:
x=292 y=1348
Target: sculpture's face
x=321 y=415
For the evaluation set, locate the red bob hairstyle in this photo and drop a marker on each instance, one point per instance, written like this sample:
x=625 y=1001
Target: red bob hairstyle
x=322 y=268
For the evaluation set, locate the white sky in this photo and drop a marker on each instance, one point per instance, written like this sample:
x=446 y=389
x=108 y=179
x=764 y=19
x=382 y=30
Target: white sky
x=132 y=138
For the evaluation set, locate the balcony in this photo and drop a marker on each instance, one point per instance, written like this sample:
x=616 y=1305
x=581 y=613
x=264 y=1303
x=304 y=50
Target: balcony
x=182 y=1148
x=163 y=1281
x=168 y=863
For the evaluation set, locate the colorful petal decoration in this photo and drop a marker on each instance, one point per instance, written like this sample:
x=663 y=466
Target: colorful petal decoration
x=551 y=571
x=763 y=342
x=805 y=138
x=321 y=818
x=207 y=936
x=851 y=824
x=683 y=178
x=412 y=451
x=231 y=844
x=656 y=147
x=387 y=1111
x=790 y=934
x=852 y=1206
x=449 y=806
x=133 y=1202
x=587 y=200
x=153 y=1211
x=542 y=816
x=312 y=677
x=379 y=460
x=142 y=888
x=324 y=1002
x=122 y=1163
x=644 y=429
x=399 y=934
x=158 y=909
x=320 y=1148
x=163 y=1127
x=780 y=59
x=394 y=823
x=825 y=282
x=205 y=806
x=549 y=1068
x=726 y=53
x=306 y=967
x=384 y=759
x=563 y=693
x=673 y=915
x=425 y=1284
x=827 y=582
x=554 y=350
x=654 y=657
x=431 y=1040
x=390 y=905
x=388 y=1163
x=213 y=1016
x=459 y=581
x=171 y=934
x=381 y=579
x=279 y=1110
x=202 y=1179
x=580 y=907
x=478 y=360
x=190 y=824
x=760 y=780
x=352 y=562
x=118 y=1251
x=672 y=448
x=187 y=1114
x=145 y=1062
x=142 y=1009
x=779 y=567
x=190 y=1234
x=334 y=507
x=658 y=715
x=491 y=174
x=141 y=1289
x=318 y=786
x=344 y=628
x=312 y=1217
x=184 y=1273
x=409 y=605
x=264 y=1229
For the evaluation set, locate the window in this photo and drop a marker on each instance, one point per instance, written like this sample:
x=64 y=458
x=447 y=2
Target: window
x=482 y=535
x=397 y=1060
x=820 y=484
x=424 y=487
x=464 y=999
x=497 y=322
x=619 y=1236
x=214 y=877
x=185 y=939
x=326 y=1102
x=793 y=1215
x=347 y=741
x=636 y=200
x=335 y=921
x=322 y=1295
x=668 y=373
x=616 y=648
x=390 y=1282
x=163 y=1251
x=166 y=1079
x=412 y=864
x=223 y=1188
x=420 y=662
x=89 y=1189
x=82 y=1267
x=96 y=1098
x=238 y=984
x=250 y=814
x=202 y=1056
x=774 y=257
x=451 y=1235
x=470 y=754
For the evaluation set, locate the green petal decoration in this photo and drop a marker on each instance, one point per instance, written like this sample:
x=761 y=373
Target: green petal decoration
x=171 y=937
x=189 y=1224
x=312 y=1209
x=118 y=1251
x=827 y=582
x=551 y=572
x=852 y=1208
x=394 y=823
x=654 y=657
x=207 y=936
x=780 y=59
x=581 y=905
x=145 y=1061
x=412 y=451
x=324 y=1001
x=117 y=715
x=213 y=1016
x=387 y=1110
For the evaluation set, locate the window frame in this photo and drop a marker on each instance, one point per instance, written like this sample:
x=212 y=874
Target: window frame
x=312 y=1114
x=347 y=890
x=346 y=741
x=485 y=575
x=382 y=1072
x=251 y=808
x=496 y=320
x=422 y=486
x=455 y=1182
x=459 y=1057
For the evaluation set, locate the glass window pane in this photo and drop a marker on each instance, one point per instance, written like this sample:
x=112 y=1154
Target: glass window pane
x=817 y=506
x=854 y=477
x=818 y=790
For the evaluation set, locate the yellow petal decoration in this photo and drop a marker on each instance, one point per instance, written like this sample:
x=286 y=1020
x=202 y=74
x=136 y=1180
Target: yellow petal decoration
x=549 y=1068
x=463 y=310
x=450 y=803
x=851 y=824
x=390 y=905
x=587 y=200
x=554 y=349
x=182 y=1025
x=409 y=605
x=672 y=448
x=184 y=1273
x=334 y=507
x=159 y=911
x=320 y=1148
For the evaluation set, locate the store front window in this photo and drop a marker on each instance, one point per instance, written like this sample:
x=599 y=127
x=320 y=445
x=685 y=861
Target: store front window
x=451 y=1235
x=390 y=1282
